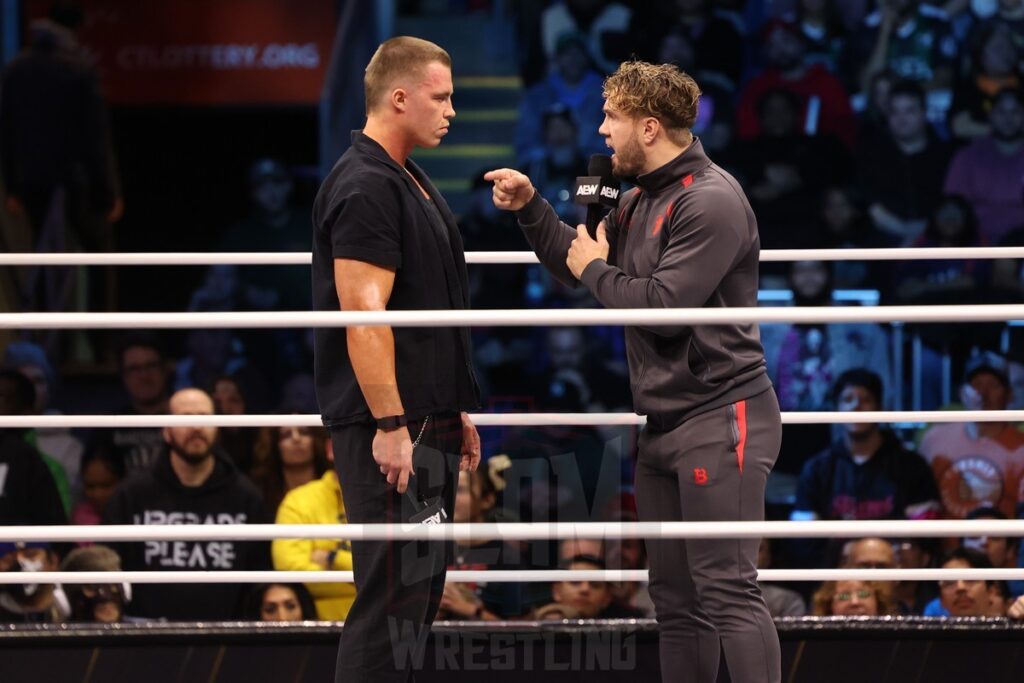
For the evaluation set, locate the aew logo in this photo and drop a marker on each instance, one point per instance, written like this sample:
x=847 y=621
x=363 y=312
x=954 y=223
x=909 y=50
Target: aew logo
x=432 y=513
x=590 y=188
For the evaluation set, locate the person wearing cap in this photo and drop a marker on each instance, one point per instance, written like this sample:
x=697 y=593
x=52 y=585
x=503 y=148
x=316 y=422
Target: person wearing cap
x=978 y=463
x=29 y=603
x=274 y=225
x=867 y=474
x=103 y=603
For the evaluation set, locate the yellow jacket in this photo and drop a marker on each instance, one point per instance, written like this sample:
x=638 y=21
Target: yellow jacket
x=318 y=502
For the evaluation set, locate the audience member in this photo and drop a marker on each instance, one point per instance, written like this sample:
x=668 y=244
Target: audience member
x=868 y=553
x=296 y=456
x=478 y=499
x=989 y=171
x=275 y=226
x=101 y=474
x=909 y=37
x=945 y=281
x=280 y=602
x=572 y=87
x=1002 y=551
x=824 y=105
x=28 y=492
x=963 y=597
x=17 y=396
x=584 y=599
x=627 y=554
x=317 y=502
x=192 y=482
x=843 y=224
x=822 y=26
x=915 y=553
x=993 y=65
x=804 y=360
x=557 y=162
x=603 y=23
x=785 y=171
x=874 y=119
x=852 y=599
x=29 y=603
x=56 y=155
x=99 y=603
x=902 y=173
x=30 y=360
x=868 y=474
x=240 y=443
x=716 y=38
x=145 y=376
x=781 y=601
x=978 y=464
x=716 y=113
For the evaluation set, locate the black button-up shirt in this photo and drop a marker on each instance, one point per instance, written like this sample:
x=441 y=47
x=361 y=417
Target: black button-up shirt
x=369 y=209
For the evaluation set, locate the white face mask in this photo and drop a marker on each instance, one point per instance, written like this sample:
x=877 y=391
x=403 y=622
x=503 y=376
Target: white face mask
x=28 y=565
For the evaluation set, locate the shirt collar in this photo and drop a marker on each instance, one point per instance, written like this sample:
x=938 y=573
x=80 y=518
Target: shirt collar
x=690 y=161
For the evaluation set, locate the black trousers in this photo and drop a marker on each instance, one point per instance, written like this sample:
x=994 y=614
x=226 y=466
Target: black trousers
x=713 y=467
x=398 y=585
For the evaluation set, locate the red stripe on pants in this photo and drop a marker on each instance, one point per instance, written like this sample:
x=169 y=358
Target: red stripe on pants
x=741 y=432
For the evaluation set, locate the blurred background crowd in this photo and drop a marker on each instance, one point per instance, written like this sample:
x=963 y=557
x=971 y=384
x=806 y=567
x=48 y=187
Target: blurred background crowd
x=861 y=123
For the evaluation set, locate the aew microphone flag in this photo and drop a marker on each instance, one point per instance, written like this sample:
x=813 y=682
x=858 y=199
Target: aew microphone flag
x=598 y=190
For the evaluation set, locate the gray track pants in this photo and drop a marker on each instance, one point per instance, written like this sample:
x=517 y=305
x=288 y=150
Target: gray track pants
x=713 y=467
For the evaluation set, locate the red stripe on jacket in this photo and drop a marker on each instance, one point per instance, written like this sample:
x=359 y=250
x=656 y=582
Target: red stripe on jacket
x=741 y=432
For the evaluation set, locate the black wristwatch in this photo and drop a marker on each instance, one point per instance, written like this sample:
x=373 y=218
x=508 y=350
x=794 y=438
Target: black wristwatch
x=391 y=422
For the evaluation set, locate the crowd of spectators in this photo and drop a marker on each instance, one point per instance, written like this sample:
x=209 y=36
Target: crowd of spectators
x=849 y=124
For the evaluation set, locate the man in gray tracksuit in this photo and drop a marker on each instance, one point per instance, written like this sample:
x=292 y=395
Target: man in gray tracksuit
x=685 y=238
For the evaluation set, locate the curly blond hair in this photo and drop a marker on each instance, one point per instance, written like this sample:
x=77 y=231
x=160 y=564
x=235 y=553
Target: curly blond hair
x=640 y=89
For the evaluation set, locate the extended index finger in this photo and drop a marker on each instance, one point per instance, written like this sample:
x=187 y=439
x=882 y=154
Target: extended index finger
x=499 y=174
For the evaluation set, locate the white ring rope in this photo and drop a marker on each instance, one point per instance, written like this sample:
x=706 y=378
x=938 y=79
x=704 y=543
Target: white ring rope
x=517 y=317
x=491 y=419
x=481 y=257
x=500 y=576
x=517 y=531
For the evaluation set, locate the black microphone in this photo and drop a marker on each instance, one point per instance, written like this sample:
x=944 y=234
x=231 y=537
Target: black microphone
x=597 y=190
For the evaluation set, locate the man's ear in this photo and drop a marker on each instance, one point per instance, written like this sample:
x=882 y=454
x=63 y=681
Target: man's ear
x=650 y=128
x=399 y=99
x=166 y=432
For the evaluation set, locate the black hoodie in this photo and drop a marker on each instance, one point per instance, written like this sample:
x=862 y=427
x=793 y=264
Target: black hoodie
x=156 y=496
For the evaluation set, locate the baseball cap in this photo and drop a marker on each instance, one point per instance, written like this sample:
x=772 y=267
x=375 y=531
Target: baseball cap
x=987 y=361
x=266 y=169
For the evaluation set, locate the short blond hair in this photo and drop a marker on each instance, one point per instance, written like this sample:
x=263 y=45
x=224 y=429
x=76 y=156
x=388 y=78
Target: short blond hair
x=639 y=89
x=395 y=57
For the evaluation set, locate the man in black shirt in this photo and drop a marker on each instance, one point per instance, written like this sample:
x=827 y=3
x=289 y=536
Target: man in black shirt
x=192 y=482
x=384 y=238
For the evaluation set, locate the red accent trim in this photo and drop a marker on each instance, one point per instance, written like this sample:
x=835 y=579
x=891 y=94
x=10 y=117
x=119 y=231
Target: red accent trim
x=657 y=226
x=741 y=432
x=688 y=180
x=668 y=209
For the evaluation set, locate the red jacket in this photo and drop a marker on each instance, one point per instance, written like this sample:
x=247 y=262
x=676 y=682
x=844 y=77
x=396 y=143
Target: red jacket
x=835 y=116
